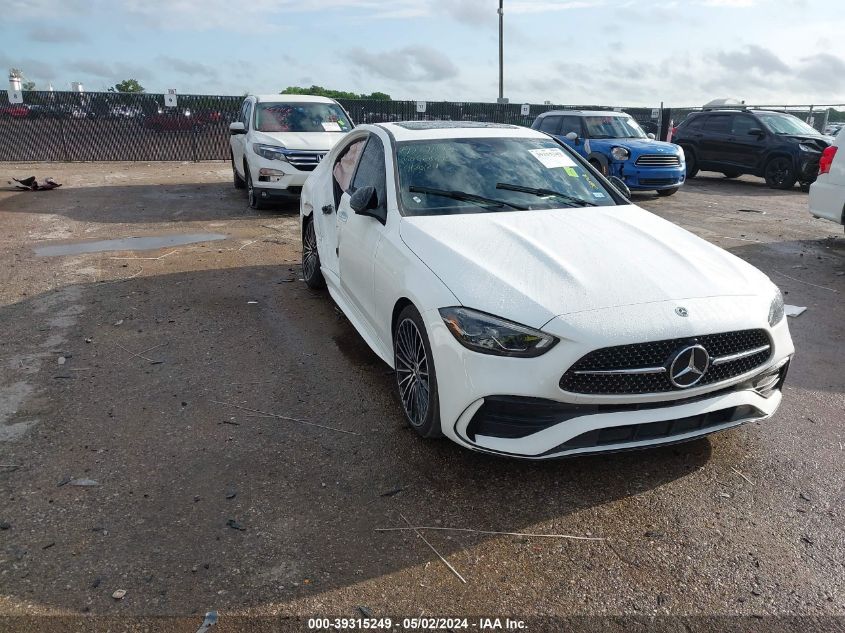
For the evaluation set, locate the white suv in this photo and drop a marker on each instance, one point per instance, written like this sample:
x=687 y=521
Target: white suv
x=278 y=140
x=827 y=193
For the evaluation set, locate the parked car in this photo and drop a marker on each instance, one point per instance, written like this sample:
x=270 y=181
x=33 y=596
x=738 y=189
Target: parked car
x=527 y=308
x=615 y=144
x=778 y=147
x=279 y=139
x=174 y=119
x=15 y=111
x=827 y=194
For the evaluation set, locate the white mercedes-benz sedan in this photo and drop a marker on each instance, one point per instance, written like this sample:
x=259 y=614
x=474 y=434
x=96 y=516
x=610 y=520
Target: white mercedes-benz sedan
x=526 y=306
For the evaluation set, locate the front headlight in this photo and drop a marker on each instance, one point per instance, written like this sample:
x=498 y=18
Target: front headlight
x=776 y=309
x=488 y=334
x=270 y=152
x=620 y=153
x=812 y=149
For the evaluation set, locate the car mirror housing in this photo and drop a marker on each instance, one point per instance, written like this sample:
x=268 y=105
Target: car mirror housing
x=572 y=136
x=237 y=128
x=365 y=202
x=651 y=136
x=621 y=187
x=756 y=131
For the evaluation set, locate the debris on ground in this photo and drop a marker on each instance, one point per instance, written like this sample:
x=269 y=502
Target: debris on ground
x=31 y=184
x=209 y=621
x=235 y=525
x=118 y=594
x=83 y=482
x=365 y=611
x=794 y=311
x=5 y=525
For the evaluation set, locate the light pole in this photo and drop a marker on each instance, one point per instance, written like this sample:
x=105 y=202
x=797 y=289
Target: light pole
x=501 y=54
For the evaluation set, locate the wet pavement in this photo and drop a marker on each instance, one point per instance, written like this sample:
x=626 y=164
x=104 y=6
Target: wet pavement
x=186 y=379
x=126 y=244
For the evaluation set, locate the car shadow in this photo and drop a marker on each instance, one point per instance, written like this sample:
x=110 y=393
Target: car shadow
x=140 y=203
x=249 y=457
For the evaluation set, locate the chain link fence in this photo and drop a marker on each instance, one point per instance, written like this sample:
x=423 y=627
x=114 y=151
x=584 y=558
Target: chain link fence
x=108 y=126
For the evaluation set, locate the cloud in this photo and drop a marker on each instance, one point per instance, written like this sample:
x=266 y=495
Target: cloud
x=407 y=64
x=55 y=35
x=186 y=67
x=754 y=57
x=113 y=72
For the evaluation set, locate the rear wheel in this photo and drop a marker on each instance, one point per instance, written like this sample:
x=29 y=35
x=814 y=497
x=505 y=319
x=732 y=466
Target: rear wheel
x=310 y=256
x=732 y=174
x=780 y=173
x=416 y=379
x=667 y=192
x=692 y=163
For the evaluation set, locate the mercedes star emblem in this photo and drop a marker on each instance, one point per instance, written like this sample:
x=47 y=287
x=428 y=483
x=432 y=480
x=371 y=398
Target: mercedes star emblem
x=689 y=366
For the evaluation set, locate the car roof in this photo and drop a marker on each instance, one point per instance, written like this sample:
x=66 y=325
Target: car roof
x=584 y=113
x=292 y=99
x=421 y=130
x=733 y=110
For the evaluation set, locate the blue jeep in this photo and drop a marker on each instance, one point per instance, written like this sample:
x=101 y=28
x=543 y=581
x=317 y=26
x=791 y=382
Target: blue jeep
x=616 y=145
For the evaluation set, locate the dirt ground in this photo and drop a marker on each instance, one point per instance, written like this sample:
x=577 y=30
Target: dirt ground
x=125 y=369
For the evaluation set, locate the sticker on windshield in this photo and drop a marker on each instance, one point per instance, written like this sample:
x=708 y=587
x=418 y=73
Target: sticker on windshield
x=331 y=126
x=552 y=157
x=571 y=171
x=598 y=194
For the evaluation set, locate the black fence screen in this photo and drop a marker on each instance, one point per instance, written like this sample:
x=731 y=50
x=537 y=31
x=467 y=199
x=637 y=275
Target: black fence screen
x=108 y=126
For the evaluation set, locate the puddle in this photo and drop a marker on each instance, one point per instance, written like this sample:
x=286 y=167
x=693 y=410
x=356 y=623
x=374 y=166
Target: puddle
x=128 y=244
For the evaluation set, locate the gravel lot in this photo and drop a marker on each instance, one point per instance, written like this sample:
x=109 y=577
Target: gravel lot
x=122 y=367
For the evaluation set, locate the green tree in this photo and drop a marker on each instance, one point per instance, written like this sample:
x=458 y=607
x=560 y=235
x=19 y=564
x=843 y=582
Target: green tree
x=127 y=85
x=28 y=85
x=333 y=94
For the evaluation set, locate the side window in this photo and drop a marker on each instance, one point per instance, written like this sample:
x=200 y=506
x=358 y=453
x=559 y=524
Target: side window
x=570 y=124
x=550 y=124
x=370 y=171
x=242 y=112
x=344 y=168
x=742 y=123
x=718 y=123
x=694 y=123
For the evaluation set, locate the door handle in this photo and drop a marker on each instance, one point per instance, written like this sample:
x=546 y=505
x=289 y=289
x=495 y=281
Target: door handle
x=327 y=209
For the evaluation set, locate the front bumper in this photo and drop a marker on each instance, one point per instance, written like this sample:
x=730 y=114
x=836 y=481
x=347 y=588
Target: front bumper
x=286 y=176
x=648 y=178
x=808 y=167
x=545 y=421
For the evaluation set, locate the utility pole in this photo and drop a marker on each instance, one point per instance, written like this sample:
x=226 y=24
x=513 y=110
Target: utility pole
x=501 y=54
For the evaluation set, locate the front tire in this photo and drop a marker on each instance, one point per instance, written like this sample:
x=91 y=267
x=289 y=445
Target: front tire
x=254 y=202
x=780 y=173
x=236 y=177
x=311 y=272
x=667 y=192
x=416 y=379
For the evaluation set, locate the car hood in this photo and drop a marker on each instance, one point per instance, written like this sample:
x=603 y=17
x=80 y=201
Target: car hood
x=640 y=145
x=820 y=140
x=314 y=141
x=533 y=266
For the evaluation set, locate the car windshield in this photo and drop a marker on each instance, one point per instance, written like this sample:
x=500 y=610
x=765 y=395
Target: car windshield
x=301 y=117
x=786 y=124
x=472 y=175
x=613 y=127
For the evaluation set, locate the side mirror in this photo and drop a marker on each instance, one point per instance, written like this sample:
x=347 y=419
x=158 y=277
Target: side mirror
x=621 y=187
x=365 y=202
x=756 y=131
x=572 y=136
x=651 y=136
x=237 y=128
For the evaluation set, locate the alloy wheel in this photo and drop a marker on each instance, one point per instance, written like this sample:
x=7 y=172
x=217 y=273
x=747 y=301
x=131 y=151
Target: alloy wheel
x=779 y=171
x=412 y=372
x=310 y=258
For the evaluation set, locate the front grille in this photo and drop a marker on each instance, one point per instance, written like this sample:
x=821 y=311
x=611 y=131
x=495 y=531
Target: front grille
x=657 y=182
x=304 y=161
x=657 y=354
x=658 y=160
x=658 y=430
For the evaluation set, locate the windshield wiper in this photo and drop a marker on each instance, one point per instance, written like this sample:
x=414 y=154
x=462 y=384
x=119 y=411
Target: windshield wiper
x=466 y=197
x=546 y=192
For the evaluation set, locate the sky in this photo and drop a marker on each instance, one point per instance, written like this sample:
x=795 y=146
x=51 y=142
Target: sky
x=604 y=52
